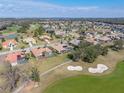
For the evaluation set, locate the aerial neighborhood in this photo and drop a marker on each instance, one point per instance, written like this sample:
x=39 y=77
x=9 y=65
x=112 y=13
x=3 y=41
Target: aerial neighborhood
x=55 y=36
x=61 y=46
x=46 y=43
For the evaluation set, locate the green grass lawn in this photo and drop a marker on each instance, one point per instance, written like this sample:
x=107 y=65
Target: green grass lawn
x=50 y=62
x=44 y=65
x=113 y=83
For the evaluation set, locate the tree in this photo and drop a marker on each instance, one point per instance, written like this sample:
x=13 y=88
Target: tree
x=90 y=54
x=1 y=47
x=27 y=56
x=35 y=75
x=104 y=51
x=52 y=33
x=87 y=52
x=3 y=40
x=84 y=44
x=12 y=76
x=118 y=45
x=16 y=39
x=38 y=31
x=35 y=34
x=22 y=47
x=98 y=49
x=23 y=29
x=21 y=37
x=82 y=37
x=76 y=55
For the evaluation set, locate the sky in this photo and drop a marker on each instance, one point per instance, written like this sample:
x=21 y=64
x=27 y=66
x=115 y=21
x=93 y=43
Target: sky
x=61 y=8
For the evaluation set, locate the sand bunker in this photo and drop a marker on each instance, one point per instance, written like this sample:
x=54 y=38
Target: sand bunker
x=100 y=69
x=74 y=68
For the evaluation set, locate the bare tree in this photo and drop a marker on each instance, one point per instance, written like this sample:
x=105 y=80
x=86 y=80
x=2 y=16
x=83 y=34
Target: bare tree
x=12 y=76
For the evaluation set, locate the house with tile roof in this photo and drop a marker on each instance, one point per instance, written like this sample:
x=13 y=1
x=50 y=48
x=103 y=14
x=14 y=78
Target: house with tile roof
x=9 y=43
x=41 y=52
x=30 y=40
x=60 y=48
x=16 y=58
x=104 y=39
x=75 y=42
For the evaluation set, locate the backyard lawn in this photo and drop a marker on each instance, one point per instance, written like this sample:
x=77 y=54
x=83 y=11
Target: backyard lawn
x=45 y=64
x=113 y=83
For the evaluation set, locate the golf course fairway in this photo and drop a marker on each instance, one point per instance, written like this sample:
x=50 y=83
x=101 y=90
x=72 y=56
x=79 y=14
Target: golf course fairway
x=112 y=83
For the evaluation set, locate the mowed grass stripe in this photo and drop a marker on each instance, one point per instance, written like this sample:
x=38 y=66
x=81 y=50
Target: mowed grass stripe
x=113 y=83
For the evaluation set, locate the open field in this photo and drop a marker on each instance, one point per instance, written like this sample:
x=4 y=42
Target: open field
x=111 y=60
x=50 y=79
x=113 y=83
x=42 y=65
x=45 y=64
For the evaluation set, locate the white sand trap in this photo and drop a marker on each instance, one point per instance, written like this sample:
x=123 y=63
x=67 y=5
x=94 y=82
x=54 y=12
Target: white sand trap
x=100 y=69
x=74 y=68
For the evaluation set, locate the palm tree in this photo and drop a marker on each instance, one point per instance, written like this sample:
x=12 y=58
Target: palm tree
x=35 y=75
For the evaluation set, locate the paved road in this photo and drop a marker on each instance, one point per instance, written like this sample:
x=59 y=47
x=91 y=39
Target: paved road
x=42 y=74
x=27 y=49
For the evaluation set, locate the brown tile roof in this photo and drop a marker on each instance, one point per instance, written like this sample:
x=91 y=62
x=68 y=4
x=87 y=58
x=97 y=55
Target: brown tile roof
x=39 y=51
x=6 y=43
x=13 y=57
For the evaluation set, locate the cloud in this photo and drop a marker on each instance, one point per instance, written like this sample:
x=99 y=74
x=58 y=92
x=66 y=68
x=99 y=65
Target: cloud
x=42 y=5
x=33 y=8
x=1 y=5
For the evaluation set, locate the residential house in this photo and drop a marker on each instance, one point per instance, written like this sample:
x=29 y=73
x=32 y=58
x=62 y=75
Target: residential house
x=30 y=39
x=60 y=48
x=60 y=33
x=9 y=43
x=41 y=52
x=75 y=42
x=104 y=39
x=92 y=40
x=16 y=58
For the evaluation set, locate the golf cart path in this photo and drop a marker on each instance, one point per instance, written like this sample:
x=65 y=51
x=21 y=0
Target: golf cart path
x=42 y=74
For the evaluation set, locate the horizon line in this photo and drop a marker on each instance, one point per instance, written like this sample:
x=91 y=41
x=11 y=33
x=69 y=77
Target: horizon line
x=53 y=17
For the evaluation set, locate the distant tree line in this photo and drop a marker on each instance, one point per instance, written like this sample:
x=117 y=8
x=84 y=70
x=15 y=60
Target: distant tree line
x=108 y=20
